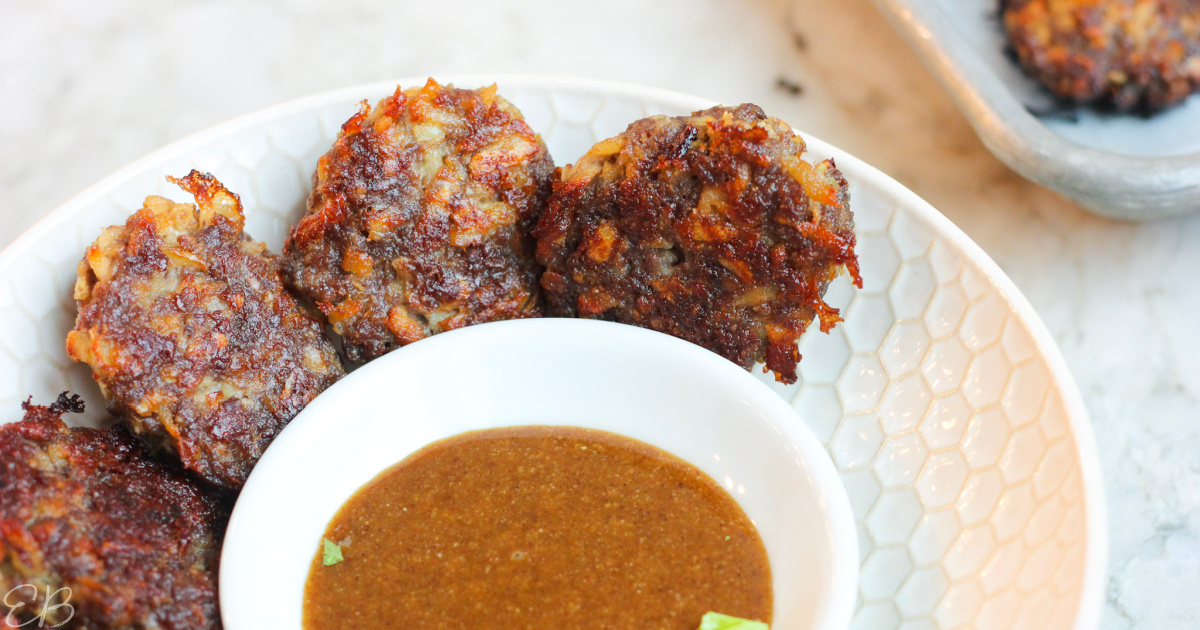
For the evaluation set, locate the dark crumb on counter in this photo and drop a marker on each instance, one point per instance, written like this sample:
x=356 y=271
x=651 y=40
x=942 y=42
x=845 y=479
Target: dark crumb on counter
x=135 y=541
x=419 y=218
x=800 y=41
x=1125 y=55
x=191 y=335
x=708 y=227
x=791 y=87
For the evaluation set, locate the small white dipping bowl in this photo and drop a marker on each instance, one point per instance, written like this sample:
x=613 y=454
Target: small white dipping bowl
x=642 y=384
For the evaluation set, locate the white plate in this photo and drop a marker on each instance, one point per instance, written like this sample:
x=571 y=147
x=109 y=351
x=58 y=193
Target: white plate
x=1123 y=166
x=600 y=375
x=947 y=408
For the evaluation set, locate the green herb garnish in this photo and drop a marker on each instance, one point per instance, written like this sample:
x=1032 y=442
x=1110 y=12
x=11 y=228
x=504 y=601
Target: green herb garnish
x=717 y=621
x=333 y=553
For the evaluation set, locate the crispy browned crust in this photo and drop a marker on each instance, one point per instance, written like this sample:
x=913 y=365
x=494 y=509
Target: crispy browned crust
x=136 y=541
x=192 y=336
x=708 y=227
x=1128 y=54
x=419 y=217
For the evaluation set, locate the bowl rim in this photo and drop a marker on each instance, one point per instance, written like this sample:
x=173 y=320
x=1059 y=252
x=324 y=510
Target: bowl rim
x=1095 y=522
x=739 y=384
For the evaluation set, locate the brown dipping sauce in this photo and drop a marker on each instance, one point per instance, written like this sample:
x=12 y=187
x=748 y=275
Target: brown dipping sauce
x=539 y=527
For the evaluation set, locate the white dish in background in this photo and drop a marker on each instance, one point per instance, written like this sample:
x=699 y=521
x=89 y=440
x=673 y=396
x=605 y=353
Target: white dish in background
x=1123 y=166
x=945 y=405
x=598 y=375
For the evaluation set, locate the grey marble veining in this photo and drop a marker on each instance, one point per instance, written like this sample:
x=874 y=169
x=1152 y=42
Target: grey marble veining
x=86 y=88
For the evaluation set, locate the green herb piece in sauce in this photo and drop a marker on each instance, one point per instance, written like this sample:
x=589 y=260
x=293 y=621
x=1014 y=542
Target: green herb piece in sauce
x=717 y=621
x=333 y=553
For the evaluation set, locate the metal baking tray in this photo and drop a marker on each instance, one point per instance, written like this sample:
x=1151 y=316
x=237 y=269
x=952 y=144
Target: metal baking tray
x=1119 y=165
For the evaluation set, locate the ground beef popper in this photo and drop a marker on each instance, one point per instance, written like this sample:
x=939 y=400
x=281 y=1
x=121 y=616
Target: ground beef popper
x=419 y=217
x=1128 y=54
x=708 y=227
x=95 y=533
x=191 y=335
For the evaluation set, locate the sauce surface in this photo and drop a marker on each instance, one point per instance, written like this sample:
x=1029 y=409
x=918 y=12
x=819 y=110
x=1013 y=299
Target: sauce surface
x=539 y=527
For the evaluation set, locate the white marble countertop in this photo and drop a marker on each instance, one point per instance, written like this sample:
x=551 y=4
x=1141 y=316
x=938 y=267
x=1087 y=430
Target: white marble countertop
x=86 y=88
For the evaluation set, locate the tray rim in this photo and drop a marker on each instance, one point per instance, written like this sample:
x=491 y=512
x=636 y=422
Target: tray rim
x=1111 y=184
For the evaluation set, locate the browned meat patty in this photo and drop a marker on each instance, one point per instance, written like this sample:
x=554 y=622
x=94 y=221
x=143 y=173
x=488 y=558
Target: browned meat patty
x=419 y=217
x=191 y=335
x=709 y=227
x=136 y=541
x=1130 y=54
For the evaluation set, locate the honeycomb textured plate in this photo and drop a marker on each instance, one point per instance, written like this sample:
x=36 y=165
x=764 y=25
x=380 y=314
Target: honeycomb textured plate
x=942 y=400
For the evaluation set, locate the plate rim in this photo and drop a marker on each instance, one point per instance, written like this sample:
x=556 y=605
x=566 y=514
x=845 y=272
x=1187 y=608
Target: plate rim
x=1095 y=507
x=1095 y=504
